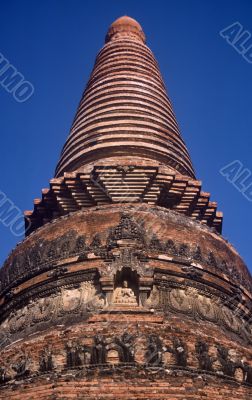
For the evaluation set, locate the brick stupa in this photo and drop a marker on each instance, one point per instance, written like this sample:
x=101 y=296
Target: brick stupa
x=124 y=287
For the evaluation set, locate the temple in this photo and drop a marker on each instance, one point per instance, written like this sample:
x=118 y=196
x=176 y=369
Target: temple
x=124 y=287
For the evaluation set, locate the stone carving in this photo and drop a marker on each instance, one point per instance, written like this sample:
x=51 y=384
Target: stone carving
x=230 y=320
x=248 y=373
x=202 y=353
x=96 y=242
x=42 y=310
x=91 y=296
x=18 y=320
x=197 y=254
x=80 y=245
x=227 y=365
x=154 y=352
x=125 y=348
x=43 y=255
x=131 y=257
x=179 y=351
x=21 y=366
x=179 y=300
x=122 y=350
x=155 y=244
x=99 y=351
x=46 y=361
x=192 y=303
x=184 y=250
x=171 y=248
x=97 y=248
x=85 y=297
x=153 y=299
x=211 y=260
x=124 y=295
x=76 y=301
x=68 y=301
x=73 y=352
x=206 y=308
x=3 y=375
x=127 y=229
x=77 y=355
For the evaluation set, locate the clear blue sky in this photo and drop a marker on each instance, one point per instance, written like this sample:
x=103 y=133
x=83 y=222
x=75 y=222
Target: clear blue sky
x=53 y=43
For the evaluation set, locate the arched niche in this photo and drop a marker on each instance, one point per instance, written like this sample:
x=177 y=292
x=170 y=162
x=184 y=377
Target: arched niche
x=127 y=279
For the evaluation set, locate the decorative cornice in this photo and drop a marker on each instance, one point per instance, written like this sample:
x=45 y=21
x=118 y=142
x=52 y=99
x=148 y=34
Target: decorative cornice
x=124 y=184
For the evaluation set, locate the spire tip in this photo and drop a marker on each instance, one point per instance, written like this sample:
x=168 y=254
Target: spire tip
x=125 y=27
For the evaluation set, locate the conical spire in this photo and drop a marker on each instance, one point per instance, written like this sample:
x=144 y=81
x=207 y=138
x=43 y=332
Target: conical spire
x=124 y=145
x=125 y=111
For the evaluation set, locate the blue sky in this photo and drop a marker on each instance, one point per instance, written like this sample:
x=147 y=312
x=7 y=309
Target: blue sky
x=53 y=43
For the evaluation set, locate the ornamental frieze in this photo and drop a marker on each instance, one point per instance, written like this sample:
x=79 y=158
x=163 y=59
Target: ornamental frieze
x=77 y=302
x=48 y=311
x=118 y=351
x=47 y=254
x=201 y=307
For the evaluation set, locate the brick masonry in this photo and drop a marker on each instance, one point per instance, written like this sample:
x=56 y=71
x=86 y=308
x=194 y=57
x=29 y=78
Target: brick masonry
x=182 y=302
x=108 y=298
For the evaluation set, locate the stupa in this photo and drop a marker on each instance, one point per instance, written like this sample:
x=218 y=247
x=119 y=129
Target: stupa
x=124 y=287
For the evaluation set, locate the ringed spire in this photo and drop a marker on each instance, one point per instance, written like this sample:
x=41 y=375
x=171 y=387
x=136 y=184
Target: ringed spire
x=125 y=110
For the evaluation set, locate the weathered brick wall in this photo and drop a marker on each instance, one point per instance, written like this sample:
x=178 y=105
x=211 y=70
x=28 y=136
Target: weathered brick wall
x=127 y=381
x=62 y=334
x=169 y=388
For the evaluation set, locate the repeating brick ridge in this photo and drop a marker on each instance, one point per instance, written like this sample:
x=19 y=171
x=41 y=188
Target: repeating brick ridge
x=124 y=144
x=125 y=109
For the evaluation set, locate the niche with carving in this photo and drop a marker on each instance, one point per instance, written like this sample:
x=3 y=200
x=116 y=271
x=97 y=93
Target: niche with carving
x=126 y=287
